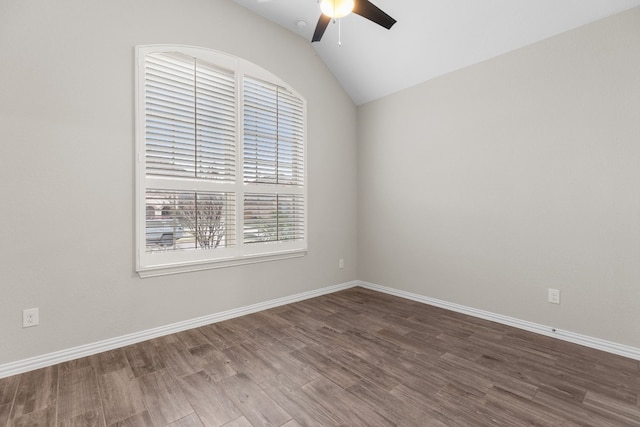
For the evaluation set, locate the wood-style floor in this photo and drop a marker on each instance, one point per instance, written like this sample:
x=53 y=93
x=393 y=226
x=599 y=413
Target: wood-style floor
x=353 y=358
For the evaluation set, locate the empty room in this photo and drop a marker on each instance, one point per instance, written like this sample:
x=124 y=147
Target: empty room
x=322 y=213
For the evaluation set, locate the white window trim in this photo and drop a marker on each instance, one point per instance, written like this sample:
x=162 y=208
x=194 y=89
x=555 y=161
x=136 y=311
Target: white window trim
x=158 y=264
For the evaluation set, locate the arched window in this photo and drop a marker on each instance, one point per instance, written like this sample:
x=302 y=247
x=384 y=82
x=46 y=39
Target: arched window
x=221 y=147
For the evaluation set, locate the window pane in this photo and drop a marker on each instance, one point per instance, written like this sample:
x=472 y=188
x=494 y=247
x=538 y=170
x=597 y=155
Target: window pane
x=273 y=217
x=169 y=115
x=273 y=134
x=290 y=139
x=189 y=118
x=189 y=220
x=260 y=218
x=215 y=123
x=290 y=217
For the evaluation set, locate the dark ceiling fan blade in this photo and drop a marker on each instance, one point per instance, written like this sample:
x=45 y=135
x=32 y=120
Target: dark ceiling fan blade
x=373 y=13
x=323 y=22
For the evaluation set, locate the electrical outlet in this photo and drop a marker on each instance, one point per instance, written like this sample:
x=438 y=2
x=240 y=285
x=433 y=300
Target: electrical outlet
x=341 y=263
x=30 y=317
x=554 y=296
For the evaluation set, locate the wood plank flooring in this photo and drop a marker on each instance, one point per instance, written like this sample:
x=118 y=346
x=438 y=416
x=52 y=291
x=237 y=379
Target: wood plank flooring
x=352 y=358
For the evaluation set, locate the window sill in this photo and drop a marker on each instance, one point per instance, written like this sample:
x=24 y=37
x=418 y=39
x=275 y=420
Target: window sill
x=165 y=270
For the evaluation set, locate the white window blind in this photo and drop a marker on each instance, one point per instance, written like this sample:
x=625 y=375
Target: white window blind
x=273 y=134
x=189 y=220
x=273 y=121
x=189 y=118
x=221 y=158
x=273 y=217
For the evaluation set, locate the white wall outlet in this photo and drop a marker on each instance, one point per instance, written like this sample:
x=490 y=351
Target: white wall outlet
x=554 y=296
x=341 y=263
x=30 y=317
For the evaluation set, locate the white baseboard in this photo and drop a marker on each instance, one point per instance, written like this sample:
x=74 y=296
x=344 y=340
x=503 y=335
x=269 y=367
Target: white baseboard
x=49 y=359
x=587 y=341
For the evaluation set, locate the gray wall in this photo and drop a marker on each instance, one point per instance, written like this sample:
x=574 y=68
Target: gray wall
x=487 y=186
x=66 y=170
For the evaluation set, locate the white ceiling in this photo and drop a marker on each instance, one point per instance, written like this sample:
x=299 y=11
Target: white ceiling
x=431 y=37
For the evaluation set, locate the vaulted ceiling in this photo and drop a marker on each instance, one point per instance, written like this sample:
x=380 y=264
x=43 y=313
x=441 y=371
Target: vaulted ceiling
x=431 y=37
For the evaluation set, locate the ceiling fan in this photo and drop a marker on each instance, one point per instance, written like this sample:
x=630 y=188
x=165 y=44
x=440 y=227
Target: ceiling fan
x=334 y=9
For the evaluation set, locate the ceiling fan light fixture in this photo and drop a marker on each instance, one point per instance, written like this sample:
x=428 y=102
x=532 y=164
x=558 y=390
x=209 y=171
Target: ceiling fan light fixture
x=336 y=8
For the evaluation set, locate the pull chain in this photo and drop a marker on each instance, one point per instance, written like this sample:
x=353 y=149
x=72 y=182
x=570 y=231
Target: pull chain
x=339 y=26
